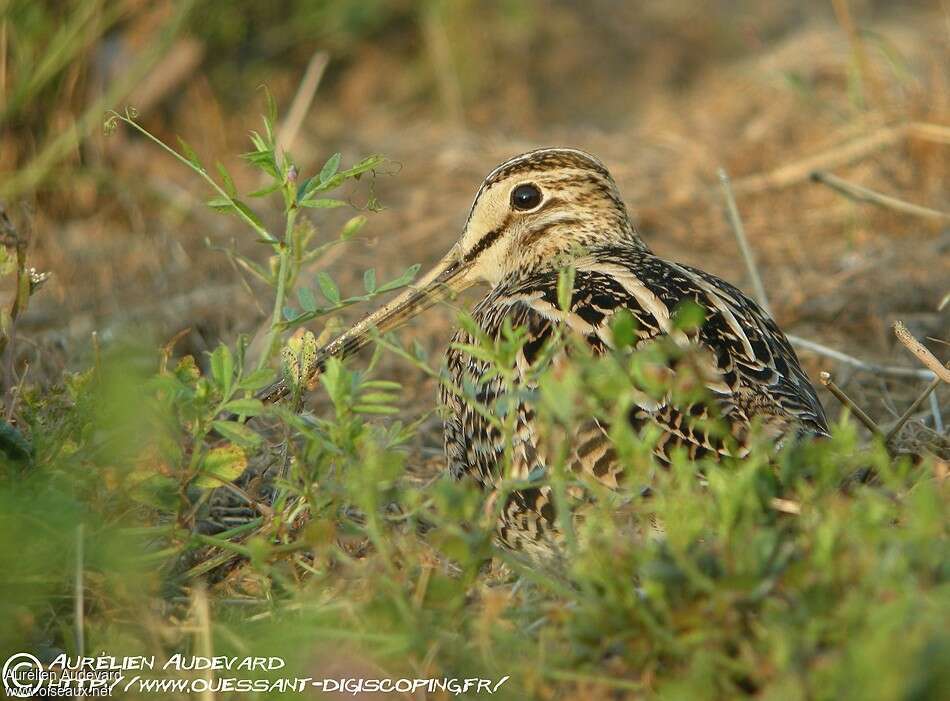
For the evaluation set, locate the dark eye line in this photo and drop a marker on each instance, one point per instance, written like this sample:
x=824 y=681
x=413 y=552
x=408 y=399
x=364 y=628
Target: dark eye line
x=487 y=240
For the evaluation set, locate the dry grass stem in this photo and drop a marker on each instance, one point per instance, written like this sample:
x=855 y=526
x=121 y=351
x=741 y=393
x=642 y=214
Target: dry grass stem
x=739 y=230
x=888 y=370
x=303 y=98
x=858 y=412
x=905 y=417
x=858 y=193
x=837 y=157
x=921 y=351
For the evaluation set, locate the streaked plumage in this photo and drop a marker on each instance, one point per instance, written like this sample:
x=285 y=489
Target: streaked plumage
x=532 y=215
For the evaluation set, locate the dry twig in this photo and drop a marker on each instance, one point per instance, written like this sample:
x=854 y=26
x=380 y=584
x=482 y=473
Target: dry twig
x=889 y=370
x=739 y=230
x=921 y=351
x=915 y=405
x=859 y=193
x=858 y=412
x=839 y=156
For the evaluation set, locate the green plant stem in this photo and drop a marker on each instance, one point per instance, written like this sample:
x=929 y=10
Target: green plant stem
x=264 y=233
x=285 y=253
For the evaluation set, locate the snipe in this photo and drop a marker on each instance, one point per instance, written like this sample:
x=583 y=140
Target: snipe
x=530 y=213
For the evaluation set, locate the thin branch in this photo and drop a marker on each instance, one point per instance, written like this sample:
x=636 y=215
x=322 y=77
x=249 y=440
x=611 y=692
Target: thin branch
x=859 y=193
x=739 y=230
x=921 y=351
x=915 y=405
x=889 y=370
x=858 y=412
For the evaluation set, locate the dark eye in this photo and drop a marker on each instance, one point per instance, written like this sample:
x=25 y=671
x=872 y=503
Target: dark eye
x=525 y=197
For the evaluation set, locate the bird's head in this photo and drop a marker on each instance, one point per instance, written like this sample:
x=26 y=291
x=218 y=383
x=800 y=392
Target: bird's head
x=537 y=208
x=530 y=213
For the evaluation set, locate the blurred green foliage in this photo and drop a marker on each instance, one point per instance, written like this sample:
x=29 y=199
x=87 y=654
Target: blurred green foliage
x=848 y=598
x=775 y=576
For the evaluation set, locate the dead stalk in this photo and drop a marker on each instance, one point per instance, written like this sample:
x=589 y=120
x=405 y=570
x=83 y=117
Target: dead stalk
x=303 y=98
x=915 y=405
x=888 y=370
x=858 y=412
x=921 y=351
x=859 y=193
x=739 y=231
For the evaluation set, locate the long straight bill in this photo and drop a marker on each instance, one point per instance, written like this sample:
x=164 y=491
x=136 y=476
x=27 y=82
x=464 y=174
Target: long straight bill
x=448 y=277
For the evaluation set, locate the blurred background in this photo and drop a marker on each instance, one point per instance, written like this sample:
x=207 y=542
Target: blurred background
x=664 y=91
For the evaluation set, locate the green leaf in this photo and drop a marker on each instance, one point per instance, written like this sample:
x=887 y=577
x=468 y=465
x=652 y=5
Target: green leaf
x=238 y=433
x=378 y=398
x=565 y=288
x=382 y=384
x=688 y=315
x=330 y=168
x=328 y=288
x=222 y=204
x=257 y=379
x=222 y=368
x=400 y=281
x=245 y=407
x=271 y=104
x=624 y=328
x=225 y=462
x=303 y=189
x=248 y=212
x=369 y=280
x=189 y=153
x=265 y=190
x=306 y=299
x=374 y=409
x=323 y=203
x=352 y=227
x=226 y=179
x=367 y=164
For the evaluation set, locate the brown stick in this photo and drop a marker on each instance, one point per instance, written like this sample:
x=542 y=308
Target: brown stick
x=839 y=156
x=860 y=193
x=858 y=412
x=836 y=157
x=915 y=405
x=921 y=351
x=890 y=370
